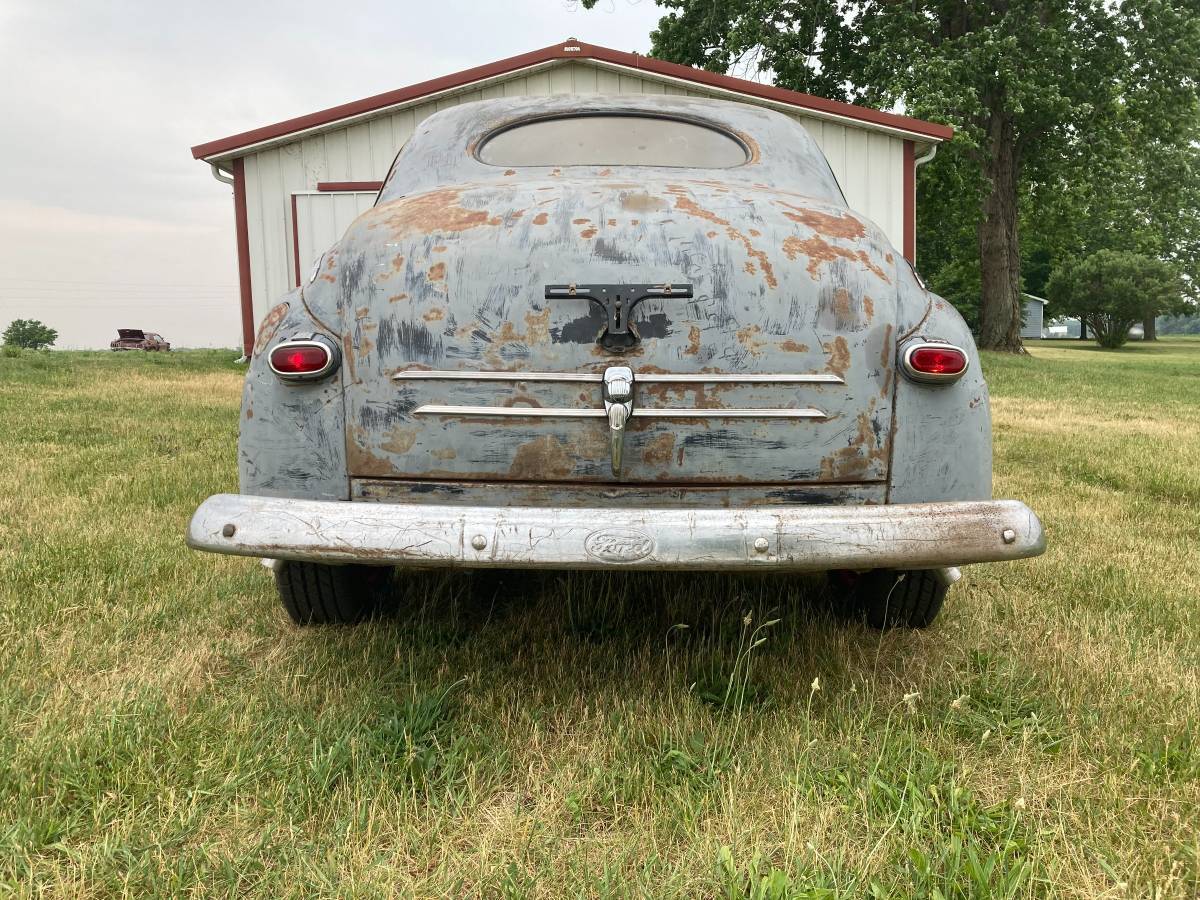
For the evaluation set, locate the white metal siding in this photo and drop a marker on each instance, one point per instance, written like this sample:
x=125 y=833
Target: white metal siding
x=1033 y=320
x=322 y=219
x=869 y=165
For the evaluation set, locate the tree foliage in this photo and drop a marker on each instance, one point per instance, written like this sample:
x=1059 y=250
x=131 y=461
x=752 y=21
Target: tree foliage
x=1112 y=290
x=1076 y=119
x=29 y=334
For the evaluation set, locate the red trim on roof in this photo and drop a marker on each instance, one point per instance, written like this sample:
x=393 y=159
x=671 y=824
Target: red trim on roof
x=365 y=187
x=578 y=50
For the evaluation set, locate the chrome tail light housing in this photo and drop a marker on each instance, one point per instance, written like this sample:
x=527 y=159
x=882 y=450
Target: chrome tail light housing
x=934 y=362
x=302 y=358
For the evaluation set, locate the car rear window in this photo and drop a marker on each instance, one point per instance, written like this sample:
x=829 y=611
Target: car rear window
x=613 y=140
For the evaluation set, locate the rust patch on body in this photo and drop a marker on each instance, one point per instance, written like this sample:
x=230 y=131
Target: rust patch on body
x=688 y=205
x=839 y=356
x=400 y=440
x=270 y=324
x=581 y=221
x=790 y=346
x=444 y=453
x=396 y=298
x=851 y=463
x=640 y=201
x=693 y=344
x=748 y=337
x=430 y=213
x=435 y=314
x=539 y=458
x=659 y=450
x=537 y=327
x=820 y=251
x=437 y=272
x=541 y=219
x=846 y=226
x=510 y=171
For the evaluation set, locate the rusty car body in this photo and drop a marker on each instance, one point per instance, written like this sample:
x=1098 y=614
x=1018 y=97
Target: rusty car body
x=137 y=339
x=637 y=333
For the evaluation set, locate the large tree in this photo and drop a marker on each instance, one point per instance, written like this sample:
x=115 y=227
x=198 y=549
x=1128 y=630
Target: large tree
x=1027 y=83
x=1111 y=290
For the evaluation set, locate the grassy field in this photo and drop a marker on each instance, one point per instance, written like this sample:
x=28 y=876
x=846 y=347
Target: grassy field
x=164 y=729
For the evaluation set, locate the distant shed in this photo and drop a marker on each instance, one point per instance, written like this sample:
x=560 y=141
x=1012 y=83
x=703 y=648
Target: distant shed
x=1033 y=317
x=298 y=184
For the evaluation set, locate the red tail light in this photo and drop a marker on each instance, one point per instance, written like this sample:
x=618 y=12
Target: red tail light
x=303 y=359
x=933 y=362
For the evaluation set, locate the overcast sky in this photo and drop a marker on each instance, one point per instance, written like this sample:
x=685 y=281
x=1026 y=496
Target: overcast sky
x=105 y=219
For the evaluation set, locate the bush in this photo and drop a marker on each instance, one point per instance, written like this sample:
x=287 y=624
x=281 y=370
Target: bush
x=29 y=334
x=1113 y=290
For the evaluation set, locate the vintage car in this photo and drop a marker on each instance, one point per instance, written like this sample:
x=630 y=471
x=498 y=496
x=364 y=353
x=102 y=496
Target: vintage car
x=614 y=333
x=136 y=339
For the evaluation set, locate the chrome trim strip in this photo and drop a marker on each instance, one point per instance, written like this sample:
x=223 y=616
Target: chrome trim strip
x=749 y=378
x=560 y=412
x=673 y=413
x=649 y=378
x=453 y=375
x=557 y=412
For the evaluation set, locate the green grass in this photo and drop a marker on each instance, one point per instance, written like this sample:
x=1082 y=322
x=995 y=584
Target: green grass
x=164 y=730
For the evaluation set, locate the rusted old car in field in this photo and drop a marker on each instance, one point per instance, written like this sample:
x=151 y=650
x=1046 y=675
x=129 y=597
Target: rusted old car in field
x=136 y=339
x=634 y=334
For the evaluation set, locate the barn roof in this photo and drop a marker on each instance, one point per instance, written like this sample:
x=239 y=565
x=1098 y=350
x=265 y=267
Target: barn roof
x=861 y=116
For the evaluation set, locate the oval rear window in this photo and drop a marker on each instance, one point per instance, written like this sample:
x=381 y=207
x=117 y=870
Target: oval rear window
x=613 y=140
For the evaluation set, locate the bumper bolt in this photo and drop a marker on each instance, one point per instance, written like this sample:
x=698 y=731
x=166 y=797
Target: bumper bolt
x=228 y=530
x=1009 y=536
x=479 y=542
x=761 y=545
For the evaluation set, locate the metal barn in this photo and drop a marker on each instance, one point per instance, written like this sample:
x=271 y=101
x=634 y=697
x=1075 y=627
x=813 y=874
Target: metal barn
x=298 y=184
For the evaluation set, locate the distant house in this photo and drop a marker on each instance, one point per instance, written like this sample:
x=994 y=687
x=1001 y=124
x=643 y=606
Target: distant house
x=1032 y=317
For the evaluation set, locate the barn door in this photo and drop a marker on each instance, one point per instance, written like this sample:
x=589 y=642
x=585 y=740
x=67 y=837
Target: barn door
x=319 y=219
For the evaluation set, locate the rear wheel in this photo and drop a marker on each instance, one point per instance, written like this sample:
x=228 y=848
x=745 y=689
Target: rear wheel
x=888 y=598
x=319 y=594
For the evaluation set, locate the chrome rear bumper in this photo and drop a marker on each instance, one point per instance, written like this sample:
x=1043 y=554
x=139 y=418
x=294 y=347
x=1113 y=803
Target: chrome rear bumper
x=796 y=538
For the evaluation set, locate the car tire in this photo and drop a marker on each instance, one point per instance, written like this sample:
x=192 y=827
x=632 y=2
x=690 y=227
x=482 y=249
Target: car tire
x=889 y=598
x=319 y=594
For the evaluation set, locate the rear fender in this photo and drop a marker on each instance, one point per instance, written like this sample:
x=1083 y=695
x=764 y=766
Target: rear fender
x=942 y=439
x=292 y=441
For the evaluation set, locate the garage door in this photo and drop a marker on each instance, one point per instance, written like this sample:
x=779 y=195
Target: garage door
x=319 y=219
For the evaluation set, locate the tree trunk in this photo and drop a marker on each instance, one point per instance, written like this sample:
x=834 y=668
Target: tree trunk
x=1150 y=333
x=999 y=247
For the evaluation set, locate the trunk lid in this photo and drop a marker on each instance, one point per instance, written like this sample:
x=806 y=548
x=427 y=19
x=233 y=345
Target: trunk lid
x=777 y=369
